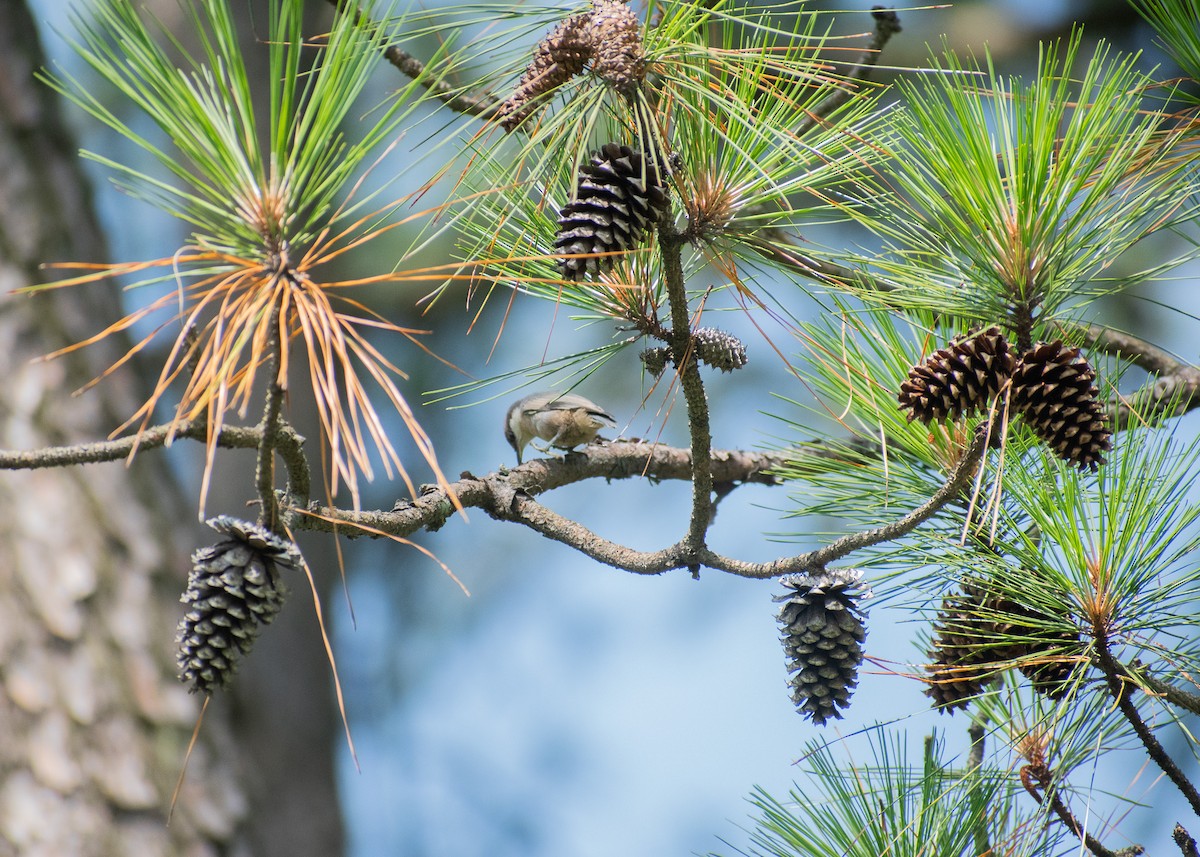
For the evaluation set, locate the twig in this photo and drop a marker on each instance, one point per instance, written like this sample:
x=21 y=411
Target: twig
x=887 y=24
x=1169 y=692
x=1140 y=352
x=288 y=443
x=1174 y=390
x=483 y=106
x=670 y=243
x=1115 y=679
x=1184 y=840
x=1034 y=776
x=264 y=469
x=782 y=247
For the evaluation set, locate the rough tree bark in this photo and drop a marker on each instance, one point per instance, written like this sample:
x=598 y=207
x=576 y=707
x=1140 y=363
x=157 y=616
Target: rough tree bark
x=93 y=723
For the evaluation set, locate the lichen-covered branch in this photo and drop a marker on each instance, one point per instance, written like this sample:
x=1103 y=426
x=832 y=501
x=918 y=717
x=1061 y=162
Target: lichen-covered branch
x=289 y=445
x=510 y=497
x=688 y=367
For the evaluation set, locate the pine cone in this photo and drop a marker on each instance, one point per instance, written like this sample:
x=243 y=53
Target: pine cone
x=958 y=380
x=609 y=37
x=1052 y=390
x=719 y=349
x=981 y=631
x=616 y=35
x=557 y=58
x=965 y=647
x=823 y=634
x=233 y=590
x=1050 y=677
x=619 y=197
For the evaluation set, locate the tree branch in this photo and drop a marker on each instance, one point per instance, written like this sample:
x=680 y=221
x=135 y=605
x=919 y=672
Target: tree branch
x=1173 y=391
x=289 y=445
x=1115 y=679
x=688 y=369
x=976 y=732
x=483 y=106
x=1037 y=775
x=268 y=428
x=887 y=24
x=1183 y=839
x=510 y=497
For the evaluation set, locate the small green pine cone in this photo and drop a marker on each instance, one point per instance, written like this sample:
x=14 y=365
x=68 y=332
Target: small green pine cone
x=233 y=590
x=655 y=360
x=823 y=633
x=719 y=349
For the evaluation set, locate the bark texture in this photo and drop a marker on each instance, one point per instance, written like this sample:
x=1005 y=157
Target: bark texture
x=93 y=724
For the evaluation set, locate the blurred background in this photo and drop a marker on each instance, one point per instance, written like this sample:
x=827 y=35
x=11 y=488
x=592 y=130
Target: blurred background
x=566 y=708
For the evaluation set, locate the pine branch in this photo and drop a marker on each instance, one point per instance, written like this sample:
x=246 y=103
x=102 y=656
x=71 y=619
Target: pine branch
x=976 y=732
x=688 y=368
x=1184 y=840
x=510 y=497
x=1039 y=775
x=1174 y=390
x=482 y=105
x=887 y=24
x=264 y=470
x=288 y=444
x=1169 y=692
x=1119 y=689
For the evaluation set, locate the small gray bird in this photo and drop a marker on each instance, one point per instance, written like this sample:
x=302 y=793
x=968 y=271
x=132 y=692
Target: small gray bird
x=563 y=420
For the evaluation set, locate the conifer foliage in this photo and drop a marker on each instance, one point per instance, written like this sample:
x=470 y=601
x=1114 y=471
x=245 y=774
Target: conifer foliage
x=660 y=163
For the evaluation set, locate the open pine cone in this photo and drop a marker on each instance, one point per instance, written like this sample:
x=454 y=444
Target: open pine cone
x=1052 y=391
x=619 y=197
x=609 y=37
x=823 y=634
x=958 y=380
x=234 y=589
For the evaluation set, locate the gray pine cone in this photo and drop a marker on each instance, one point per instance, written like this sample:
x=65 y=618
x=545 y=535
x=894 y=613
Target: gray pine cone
x=823 y=633
x=719 y=349
x=619 y=196
x=233 y=590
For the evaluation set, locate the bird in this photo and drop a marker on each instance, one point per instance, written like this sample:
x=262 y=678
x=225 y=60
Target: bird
x=563 y=420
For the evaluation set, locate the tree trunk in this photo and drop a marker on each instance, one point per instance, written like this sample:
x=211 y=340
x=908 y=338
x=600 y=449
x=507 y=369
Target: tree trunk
x=93 y=723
